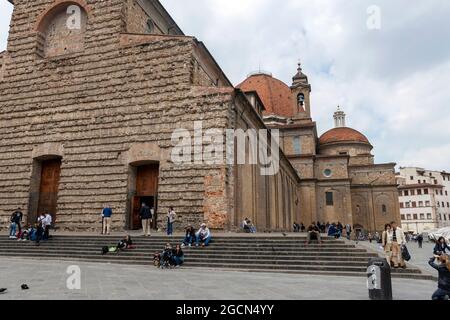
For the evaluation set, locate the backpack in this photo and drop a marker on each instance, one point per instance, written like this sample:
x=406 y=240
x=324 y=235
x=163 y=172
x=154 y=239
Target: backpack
x=105 y=250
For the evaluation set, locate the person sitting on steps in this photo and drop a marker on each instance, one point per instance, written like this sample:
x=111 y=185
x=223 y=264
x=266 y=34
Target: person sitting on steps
x=313 y=233
x=177 y=257
x=203 y=235
x=125 y=244
x=333 y=231
x=190 y=236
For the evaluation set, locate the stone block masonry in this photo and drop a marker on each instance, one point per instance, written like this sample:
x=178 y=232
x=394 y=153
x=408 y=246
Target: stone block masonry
x=96 y=104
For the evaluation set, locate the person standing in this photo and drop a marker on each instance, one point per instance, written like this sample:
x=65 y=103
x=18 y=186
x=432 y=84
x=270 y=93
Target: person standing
x=146 y=217
x=398 y=241
x=386 y=242
x=171 y=217
x=16 y=220
x=46 y=225
x=420 y=241
x=302 y=228
x=40 y=229
x=348 y=231
x=107 y=214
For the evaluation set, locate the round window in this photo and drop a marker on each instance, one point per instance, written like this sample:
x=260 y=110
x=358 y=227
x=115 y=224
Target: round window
x=328 y=173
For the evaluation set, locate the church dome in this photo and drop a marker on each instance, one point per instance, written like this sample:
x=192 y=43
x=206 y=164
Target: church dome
x=343 y=135
x=275 y=94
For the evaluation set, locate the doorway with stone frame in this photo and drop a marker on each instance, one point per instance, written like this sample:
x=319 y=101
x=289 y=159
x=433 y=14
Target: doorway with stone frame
x=44 y=188
x=144 y=189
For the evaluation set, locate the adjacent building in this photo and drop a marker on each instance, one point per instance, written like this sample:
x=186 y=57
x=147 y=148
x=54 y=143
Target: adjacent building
x=424 y=199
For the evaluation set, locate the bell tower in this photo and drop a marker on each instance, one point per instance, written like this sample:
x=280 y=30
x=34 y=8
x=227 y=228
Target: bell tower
x=301 y=90
x=339 y=118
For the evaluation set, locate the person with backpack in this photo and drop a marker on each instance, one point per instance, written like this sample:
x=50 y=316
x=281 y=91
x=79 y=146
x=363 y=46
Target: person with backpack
x=398 y=242
x=171 y=217
x=443 y=291
x=107 y=214
x=146 y=217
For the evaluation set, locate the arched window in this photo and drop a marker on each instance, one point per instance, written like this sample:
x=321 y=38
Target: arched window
x=62 y=30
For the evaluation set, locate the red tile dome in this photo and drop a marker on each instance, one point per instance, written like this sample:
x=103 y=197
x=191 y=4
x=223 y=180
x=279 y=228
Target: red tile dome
x=275 y=94
x=343 y=134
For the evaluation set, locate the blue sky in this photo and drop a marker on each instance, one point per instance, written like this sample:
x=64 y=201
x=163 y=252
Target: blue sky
x=392 y=82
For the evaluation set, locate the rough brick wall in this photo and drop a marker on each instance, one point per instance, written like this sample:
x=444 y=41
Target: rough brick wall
x=376 y=175
x=96 y=105
x=136 y=18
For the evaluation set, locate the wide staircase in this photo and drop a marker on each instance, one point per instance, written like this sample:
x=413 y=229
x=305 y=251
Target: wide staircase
x=259 y=253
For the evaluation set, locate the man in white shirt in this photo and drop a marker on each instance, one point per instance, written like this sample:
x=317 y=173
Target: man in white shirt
x=47 y=222
x=398 y=240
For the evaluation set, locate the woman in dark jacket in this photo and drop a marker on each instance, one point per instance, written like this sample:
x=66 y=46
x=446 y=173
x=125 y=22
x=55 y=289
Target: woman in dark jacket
x=443 y=291
x=441 y=247
x=177 y=256
x=190 y=236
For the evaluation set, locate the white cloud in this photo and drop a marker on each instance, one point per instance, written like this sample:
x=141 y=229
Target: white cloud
x=392 y=82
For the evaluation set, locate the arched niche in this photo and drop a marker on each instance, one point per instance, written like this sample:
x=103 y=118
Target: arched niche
x=61 y=28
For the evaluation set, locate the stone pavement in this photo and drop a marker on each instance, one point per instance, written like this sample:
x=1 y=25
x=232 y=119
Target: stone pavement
x=47 y=280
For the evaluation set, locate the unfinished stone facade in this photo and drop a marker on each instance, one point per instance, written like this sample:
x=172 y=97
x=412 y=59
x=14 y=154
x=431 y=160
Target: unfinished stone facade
x=83 y=111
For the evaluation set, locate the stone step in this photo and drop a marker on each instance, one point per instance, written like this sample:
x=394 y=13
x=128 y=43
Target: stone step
x=162 y=245
x=198 y=251
x=268 y=254
x=180 y=240
x=250 y=270
x=164 y=237
x=202 y=257
x=300 y=266
x=223 y=250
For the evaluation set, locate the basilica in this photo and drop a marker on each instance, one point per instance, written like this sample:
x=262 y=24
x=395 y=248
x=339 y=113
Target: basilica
x=91 y=93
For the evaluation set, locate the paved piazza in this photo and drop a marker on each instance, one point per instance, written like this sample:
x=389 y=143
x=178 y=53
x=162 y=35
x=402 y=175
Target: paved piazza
x=47 y=280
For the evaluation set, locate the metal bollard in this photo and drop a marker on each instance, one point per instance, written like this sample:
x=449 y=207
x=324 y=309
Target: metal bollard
x=379 y=281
